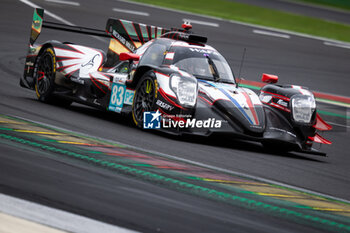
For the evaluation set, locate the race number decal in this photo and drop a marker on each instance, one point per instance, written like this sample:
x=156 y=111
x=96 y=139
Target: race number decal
x=129 y=96
x=120 y=96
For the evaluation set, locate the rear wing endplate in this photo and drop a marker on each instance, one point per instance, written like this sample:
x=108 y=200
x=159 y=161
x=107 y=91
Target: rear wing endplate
x=127 y=36
x=39 y=23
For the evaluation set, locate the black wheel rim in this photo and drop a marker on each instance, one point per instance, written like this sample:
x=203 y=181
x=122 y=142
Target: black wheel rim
x=44 y=74
x=144 y=99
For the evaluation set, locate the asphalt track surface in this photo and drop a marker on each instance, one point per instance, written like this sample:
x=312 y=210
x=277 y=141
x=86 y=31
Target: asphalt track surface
x=98 y=193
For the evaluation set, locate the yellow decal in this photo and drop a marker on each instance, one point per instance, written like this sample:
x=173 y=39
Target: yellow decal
x=53 y=59
x=36 y=90
x=155 y=88
x=117 y=47
x=137 y=44
x=148 y=87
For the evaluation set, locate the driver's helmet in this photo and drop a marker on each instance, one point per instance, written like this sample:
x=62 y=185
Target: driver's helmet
x=201 y=67
x=195 y=66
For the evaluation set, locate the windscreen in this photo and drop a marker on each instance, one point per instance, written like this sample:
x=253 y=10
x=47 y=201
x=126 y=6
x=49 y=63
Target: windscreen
x=202 y=63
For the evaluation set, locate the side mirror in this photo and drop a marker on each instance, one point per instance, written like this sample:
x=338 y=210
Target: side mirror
x=129 y=56
x=269 y=78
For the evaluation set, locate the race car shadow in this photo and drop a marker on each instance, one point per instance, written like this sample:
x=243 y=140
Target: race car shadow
x=92 y=112
x=105 y=115
x=241 y=145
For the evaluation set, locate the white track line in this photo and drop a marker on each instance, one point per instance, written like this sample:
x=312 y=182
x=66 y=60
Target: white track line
x=55 y=218
x=340 y=125
x=267 y=33
x=333 y=103
x=48 y=13
x=58 y=18
x=237 y=22
x=131 y=12
x=64 y=2
x=245 y=175
x=340 y=45
x=201 y=22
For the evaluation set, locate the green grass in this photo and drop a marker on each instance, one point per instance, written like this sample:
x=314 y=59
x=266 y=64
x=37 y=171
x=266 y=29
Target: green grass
x=341 y=4
x=261 y=16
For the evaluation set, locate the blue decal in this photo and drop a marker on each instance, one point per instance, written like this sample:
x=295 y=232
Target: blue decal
x=151 y=120
x=230 y=97
x=129 y=96
x=117 y=97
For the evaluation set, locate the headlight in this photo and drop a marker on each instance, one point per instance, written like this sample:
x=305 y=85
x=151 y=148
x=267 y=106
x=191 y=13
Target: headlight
x=185 y=89
x=302 y=108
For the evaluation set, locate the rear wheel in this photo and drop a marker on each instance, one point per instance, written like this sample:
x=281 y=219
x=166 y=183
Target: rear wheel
x=45 y=74
x=45 y=78
x=144 y=98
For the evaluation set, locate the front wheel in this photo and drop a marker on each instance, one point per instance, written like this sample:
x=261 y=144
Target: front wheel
x=144 y=98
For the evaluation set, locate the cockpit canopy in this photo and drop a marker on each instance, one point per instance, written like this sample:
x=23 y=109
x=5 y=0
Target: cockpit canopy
x=203 y=62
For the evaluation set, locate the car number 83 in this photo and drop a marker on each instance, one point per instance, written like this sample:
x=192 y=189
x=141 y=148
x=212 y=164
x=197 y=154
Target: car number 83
x=120 y=96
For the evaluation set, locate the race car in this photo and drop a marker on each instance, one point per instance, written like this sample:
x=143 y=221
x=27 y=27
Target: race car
x=169 y=80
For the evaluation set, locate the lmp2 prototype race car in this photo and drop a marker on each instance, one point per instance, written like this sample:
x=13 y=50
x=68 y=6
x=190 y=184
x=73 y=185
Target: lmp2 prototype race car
x=170 y=80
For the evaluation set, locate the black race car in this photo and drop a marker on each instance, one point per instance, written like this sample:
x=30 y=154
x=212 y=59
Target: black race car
x=170 y=80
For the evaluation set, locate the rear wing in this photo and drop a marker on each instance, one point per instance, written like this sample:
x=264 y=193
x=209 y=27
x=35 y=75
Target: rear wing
x=39 y=23
x=125 y=36
x=38 y=18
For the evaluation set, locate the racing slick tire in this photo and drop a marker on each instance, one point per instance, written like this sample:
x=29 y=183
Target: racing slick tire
x=144 y=98
x=45 y=71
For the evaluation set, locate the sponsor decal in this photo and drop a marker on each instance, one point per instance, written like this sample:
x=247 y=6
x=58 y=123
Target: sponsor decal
x=129 y=96
x=283 y=131
x=90 y=63
x=122 y=39
x=282 y=102
x=206 y=51
x=164 y=105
